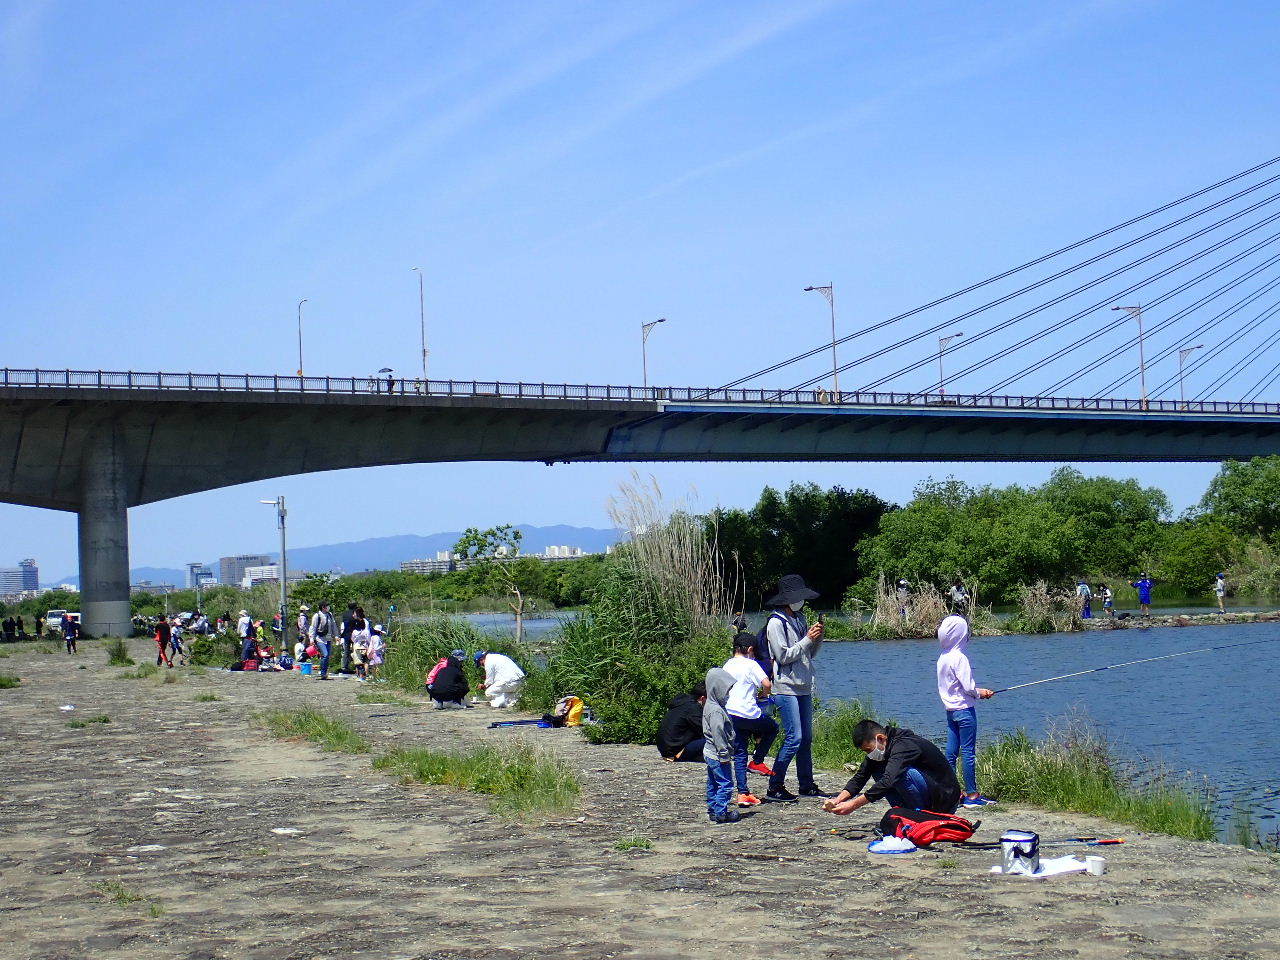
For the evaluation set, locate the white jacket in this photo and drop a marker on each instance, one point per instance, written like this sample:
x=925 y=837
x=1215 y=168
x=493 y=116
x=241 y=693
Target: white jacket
x=500 y=670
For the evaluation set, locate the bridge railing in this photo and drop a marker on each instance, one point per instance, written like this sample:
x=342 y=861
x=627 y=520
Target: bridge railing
x=391 y=386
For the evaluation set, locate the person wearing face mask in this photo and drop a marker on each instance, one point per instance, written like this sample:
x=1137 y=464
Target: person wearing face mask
x=908 y=770
x=792 y=646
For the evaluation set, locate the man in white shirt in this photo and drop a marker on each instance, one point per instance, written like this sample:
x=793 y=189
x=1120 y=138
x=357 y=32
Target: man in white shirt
x=748 y=718
x=502 y=678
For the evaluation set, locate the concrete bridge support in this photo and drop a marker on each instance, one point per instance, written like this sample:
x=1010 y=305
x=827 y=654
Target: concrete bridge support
x=104 y=536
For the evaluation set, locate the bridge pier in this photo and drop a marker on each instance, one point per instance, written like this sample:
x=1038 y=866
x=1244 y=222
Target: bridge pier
x=103 y=530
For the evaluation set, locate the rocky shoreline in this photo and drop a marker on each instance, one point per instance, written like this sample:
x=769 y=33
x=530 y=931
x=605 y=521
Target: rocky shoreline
x=241 y=846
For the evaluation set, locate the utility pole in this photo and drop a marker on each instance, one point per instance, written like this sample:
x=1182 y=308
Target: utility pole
x=422 y=321
x=942 y=346
x=1182 y=358
x=1136 y=313
x=829 y=291
x=283 y=570
x=645 y=330
x=300 y=303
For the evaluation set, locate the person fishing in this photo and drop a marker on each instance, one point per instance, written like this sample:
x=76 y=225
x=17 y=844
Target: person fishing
x=959 y=693
x=908 y=770
x=1220 y=592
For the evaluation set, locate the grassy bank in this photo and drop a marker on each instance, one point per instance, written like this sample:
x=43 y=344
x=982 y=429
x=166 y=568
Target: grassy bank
x=415 y=648
x=328 y=733
x=1074 y=770
x=520 y=779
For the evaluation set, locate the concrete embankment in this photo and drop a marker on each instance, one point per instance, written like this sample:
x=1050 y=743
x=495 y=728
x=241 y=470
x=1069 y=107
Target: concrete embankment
x=243 y=846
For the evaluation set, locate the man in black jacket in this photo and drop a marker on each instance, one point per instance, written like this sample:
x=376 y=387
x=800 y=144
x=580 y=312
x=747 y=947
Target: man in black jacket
x=680 y=736
x=908 y=771
x=348 y=627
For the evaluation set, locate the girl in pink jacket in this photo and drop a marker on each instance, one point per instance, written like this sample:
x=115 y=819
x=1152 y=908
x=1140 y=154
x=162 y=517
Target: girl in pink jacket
x=959 y=692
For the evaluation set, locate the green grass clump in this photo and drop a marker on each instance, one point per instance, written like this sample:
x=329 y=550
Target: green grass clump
x=1073 y=769
x=212 y=649
x=45 y=648
x=833 y=724
x=121 y=895
x=633 y=843
x=144 y=670
x=8 y=681
x=207 y=697
x=372 y=696
x=329 y=733
x=81 y=724
x=522 y=780
x=118 y=653
x=4 y=654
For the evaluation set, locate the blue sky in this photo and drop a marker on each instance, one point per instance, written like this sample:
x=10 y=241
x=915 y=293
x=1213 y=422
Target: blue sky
x=175 y=181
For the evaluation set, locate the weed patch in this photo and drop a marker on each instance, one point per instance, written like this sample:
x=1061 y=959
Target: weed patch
x=144 y=670
x=118 y=653
x=634 y=843
x=119 y=894
x=520 y=779
x=207 y=697
x=80 y=724
x=328 y=733
x=8 y=681
x=390 y=698
x=1073 y=769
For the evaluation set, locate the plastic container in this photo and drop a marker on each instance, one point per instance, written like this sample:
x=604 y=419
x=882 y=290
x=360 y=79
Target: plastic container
x=306 y=669
x=1020 y=852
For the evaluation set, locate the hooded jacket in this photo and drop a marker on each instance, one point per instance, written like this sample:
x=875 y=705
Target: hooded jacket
x=717 y=728
x=681 y=726
x=909 y=751
x=956 y=687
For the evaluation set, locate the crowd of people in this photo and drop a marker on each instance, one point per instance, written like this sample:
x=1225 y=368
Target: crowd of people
x=728 y=723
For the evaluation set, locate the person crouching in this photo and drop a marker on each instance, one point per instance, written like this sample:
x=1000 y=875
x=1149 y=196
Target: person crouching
x=503 y=678
x=908 y=771
x=448 y=687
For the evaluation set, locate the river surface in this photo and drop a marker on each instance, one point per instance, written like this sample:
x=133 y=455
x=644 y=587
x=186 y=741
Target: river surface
x=1209 y=716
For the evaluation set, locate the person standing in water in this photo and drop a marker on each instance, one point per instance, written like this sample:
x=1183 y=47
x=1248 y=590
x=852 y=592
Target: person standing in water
x=793 y=645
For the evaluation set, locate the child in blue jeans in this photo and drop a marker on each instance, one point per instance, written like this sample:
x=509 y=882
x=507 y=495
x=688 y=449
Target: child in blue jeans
x=959 y=692
x=717 y=728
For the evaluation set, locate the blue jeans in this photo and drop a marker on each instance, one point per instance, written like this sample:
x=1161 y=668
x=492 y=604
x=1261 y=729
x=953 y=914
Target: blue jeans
x=796 y=713
x=1087 y=612
x=912 y=792
x=692 y=751
x=324 y=657
x=962 y=741
x=719 y=785
x=744 y=729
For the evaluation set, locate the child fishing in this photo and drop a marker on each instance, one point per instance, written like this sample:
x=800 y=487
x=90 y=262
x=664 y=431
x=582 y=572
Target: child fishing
x=959 y=693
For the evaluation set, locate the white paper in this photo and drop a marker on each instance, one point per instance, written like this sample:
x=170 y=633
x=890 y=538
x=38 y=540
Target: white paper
x=1051 y=868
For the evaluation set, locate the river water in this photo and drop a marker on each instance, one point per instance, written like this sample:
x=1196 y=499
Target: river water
x=1211 y=716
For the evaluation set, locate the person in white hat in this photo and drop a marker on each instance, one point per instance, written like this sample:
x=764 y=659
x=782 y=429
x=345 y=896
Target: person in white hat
x=244 y=625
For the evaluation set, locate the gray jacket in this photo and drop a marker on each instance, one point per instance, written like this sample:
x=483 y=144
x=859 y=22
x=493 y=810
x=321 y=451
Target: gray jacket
x=792 y=652
x=717 y=728
x=331 y=627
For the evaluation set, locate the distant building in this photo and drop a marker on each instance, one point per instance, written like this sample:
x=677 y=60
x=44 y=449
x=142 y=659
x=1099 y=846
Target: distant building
x=199 y=575
x=18 y=580
x=231 y=569
x=155 y=589
x=562 y=553
x=267 y=573
x=445 y=561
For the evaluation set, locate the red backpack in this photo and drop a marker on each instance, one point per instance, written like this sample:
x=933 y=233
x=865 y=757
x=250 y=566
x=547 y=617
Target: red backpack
x=924 y=827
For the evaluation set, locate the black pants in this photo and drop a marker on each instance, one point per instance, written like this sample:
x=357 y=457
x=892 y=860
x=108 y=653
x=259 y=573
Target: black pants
x=346 y=655
x=71 y=644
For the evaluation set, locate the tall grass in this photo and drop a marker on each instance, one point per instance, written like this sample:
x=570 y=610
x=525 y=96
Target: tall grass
x=1073 y=769
x=212 y=649
x=415 y=648
x=658 y=620
x=521 y=779
x=1044 y=610
x=118 y=653
x=833 y=723
x=8 y=681
x=329 y=733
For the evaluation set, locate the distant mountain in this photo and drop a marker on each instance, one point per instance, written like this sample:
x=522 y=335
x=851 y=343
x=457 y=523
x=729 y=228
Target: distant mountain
x=386 y=553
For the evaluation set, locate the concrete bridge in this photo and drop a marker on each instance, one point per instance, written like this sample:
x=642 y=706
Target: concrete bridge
x=99 y=442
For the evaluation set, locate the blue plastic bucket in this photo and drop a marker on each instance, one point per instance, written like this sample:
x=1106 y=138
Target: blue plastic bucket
x=306 y=669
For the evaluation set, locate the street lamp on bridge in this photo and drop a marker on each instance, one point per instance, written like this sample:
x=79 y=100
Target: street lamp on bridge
x=422 y=320
x=942 y=347
x=645 y=330
x=1182 y=358
x=1136 y=313
x=300 y=303
x=829 y=291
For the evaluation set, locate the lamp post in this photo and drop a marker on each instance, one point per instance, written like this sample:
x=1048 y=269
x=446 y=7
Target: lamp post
x=1182 y=358
x=645 y=330
x=422 y=321
x=283 y=569
x=829 y=291
x=300 y=303
x=942 y=347
x=1136 y=313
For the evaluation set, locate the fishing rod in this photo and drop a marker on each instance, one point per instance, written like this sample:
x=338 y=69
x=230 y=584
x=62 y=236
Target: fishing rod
x=1130 y=663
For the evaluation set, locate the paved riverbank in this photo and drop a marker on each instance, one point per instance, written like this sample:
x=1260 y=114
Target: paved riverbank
x=176 y=799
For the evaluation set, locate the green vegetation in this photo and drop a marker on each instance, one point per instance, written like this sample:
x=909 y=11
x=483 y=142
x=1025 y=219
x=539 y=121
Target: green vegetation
x=79 y=724
x=4 y=654
x=417 y=647
x=118 y=653
x=633 y=843
x=521 y=779
x=374 y=696
x=121 y=895
x=44 y=648
x=948 y=863
x=1073 y=770
x=327 y=732
x=8 y=681
x=833 y=724
x=144 y=670
x=206 y=697
x=212 y=649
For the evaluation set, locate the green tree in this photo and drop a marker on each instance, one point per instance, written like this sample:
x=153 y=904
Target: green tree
x=492 y=556
x=1194 y=552
x=1245 y=497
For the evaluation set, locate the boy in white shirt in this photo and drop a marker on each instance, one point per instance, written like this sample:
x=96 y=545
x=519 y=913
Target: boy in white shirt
x=748 y=718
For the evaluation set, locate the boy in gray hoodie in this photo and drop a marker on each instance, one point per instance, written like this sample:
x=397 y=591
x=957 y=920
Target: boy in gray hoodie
x=717 y=728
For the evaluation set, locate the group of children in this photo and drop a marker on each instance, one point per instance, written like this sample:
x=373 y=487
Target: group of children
x=737 y=732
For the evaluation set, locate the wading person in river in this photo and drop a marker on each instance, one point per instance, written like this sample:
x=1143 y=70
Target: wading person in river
x=907 y=770
x=792 y=646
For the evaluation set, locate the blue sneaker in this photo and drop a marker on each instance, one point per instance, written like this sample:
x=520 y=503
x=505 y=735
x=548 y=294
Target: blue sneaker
x=978 y=801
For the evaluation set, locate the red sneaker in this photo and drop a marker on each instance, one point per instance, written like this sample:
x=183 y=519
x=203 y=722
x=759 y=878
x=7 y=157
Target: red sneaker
x=763 y=769
x=748 y=800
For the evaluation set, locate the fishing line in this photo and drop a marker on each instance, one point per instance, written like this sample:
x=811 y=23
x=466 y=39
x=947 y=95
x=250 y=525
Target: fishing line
x=1130 y=663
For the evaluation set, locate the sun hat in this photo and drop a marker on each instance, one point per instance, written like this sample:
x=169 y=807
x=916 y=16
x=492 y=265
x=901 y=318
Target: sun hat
x=791 y=589
x=304 y=607
x=244 y=613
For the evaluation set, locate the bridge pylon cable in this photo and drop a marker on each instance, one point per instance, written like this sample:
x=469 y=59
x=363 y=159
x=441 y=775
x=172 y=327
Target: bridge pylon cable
x=1263 y=382
x=996 y=328
x=1118 y=322
x=1216 y=350
x=1235 y=369
x=1036 y=262
x=1110 y=355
